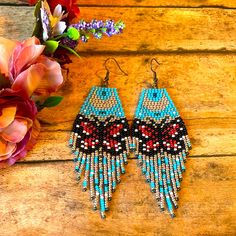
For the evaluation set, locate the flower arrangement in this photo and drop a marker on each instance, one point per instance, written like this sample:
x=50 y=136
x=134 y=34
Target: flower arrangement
x=31 y=70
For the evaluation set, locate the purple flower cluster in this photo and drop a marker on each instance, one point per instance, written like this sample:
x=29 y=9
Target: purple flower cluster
x=97 y=28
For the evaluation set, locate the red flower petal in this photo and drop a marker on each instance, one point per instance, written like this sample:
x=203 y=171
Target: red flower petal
x=32 y=2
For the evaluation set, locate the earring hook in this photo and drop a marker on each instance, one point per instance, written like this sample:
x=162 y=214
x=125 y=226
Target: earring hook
x=106 y=79
x=155 y=79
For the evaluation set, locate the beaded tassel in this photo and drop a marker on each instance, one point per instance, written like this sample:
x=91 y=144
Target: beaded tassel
x=161 y=144
x=100 y=142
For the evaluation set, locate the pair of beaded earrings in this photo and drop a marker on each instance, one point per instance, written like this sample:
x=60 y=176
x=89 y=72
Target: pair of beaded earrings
x=101 y=141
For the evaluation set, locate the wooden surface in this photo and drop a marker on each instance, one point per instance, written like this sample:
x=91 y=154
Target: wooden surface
x=195 y=44
x=170 y=30
x=145 y=3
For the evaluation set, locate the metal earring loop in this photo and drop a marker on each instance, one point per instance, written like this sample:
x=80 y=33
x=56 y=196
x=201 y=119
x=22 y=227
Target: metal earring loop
x=106 y=79
x=155 y=79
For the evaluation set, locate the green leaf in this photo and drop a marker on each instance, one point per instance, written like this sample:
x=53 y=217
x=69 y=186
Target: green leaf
x=37 y=30
x=59 y=37
x=52 y=101
x=70 y=50
x=38 y=25
x=37 y=8
x=51 y=46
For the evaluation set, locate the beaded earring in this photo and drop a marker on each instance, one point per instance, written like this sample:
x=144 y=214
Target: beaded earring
x=161 y=143
x=100 y=142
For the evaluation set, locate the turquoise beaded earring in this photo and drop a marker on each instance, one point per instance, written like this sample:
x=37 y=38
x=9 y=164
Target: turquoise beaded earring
x=100 y=141
x=161 y=143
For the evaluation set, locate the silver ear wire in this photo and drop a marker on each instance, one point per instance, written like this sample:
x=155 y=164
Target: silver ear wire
x=106 y=79
x=155 y=79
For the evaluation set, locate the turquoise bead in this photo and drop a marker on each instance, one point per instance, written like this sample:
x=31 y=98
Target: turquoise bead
x=152 y=184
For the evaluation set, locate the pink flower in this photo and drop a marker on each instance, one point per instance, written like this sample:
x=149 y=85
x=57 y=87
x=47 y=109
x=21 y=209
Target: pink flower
x=33 y=72
x=24 y=71
x=18 y=126
x=26 y=68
